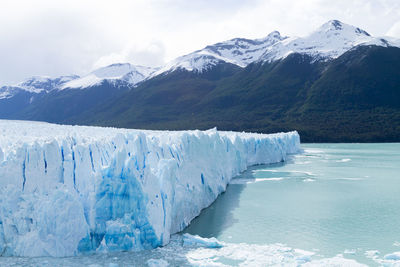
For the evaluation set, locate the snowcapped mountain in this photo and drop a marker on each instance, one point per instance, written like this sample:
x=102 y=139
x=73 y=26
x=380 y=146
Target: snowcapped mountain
x=114 y=73
x=329 y=41
x=44 y=98
x=126 y=73
x=36 y=85
x=238 y=51
x=43 y=83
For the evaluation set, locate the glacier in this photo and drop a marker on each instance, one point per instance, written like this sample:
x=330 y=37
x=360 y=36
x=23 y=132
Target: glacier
x=69 y=190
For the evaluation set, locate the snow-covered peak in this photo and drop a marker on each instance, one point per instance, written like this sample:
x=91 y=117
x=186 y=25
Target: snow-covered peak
x=242 y=51
x=112 y=73
x=115 y=73
x=329 y=41
x=271 y=37
x=197 y=61
x=338 y=26
x=237 y=51
x=120 y=69
x=8 y=91
x=34 y=81
x=36 y=85
x=44 y=83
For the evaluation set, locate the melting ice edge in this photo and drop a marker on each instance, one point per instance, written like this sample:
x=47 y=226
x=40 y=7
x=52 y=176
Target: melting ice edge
x=67 y=190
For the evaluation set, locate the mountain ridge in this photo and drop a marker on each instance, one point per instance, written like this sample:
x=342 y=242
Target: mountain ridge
x=339 y=37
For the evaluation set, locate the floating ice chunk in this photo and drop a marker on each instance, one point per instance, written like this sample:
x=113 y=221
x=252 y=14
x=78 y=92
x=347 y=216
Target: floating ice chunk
x=335 y=261
x=350 y=251
x=256 y=180
x=261 y=255
x=157 y=263
x=303 y=259
x=371 y=254
x=231 y=254
x=195 y=240
x=344 y=160
x=395 y=256
x=268 y=179
x=391 y=259
x=350 y=179
x=275 y=171
x=303 y=172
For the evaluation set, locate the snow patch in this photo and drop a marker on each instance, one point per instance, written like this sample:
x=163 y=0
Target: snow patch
x=114 y=73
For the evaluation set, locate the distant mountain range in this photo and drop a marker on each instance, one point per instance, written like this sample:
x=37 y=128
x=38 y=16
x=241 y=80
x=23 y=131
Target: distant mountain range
x=337 y=84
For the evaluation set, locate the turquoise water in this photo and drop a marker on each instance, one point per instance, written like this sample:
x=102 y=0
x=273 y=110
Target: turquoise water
x=332 y=199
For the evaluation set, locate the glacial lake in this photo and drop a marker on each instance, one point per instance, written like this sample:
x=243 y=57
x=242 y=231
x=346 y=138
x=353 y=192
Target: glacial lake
x=334 y=204
x=332 y=199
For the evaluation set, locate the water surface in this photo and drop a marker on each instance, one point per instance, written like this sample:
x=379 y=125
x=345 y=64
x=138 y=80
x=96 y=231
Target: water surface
x=332 y=199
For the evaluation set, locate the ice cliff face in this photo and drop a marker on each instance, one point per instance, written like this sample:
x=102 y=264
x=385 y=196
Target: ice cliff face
x=72 y=189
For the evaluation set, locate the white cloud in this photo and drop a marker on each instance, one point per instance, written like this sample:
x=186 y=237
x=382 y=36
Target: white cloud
x=394 y=31
x=45 y=37
x=147 y=54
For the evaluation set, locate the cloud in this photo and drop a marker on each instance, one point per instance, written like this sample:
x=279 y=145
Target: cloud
x=394 y=31
x=45 y=37
x=149 y=54
x=51 y=42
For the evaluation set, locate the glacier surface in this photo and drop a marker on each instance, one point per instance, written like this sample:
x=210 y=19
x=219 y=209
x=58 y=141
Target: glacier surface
x=67 y=190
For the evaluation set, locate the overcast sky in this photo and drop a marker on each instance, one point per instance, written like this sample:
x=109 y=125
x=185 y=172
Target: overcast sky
x=74 y=37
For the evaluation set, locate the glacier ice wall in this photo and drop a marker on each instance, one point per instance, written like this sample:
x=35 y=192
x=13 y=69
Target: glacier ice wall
x=67 y=190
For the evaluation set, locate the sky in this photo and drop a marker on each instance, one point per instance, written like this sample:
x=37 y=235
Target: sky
x=53 y=38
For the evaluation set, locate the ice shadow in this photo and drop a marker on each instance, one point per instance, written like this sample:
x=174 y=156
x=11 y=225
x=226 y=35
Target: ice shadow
x=214 y=219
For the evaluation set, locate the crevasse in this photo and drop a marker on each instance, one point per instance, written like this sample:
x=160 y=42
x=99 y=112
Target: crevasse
x=74 y=189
